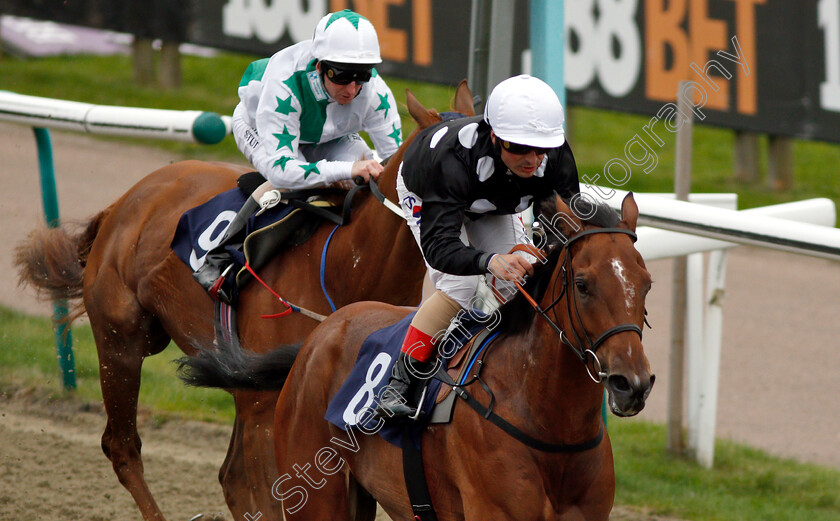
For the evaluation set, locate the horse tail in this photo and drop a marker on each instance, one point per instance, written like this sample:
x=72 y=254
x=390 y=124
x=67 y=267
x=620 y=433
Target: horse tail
x=53 y=260
x=231 y=367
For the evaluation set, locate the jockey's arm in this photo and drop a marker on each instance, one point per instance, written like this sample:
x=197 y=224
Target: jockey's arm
x=440 y=240
x=382 y=122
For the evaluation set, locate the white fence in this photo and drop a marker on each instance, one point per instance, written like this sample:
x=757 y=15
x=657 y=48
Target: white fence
x=191 y=125
x=180 y=125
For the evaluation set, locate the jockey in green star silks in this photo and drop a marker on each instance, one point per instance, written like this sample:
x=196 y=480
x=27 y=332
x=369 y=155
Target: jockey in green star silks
x=300 y=113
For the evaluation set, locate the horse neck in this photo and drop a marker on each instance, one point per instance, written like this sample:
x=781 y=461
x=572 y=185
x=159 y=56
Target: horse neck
x=383 y=245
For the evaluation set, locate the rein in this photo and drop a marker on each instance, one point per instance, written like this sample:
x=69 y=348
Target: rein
x=298 y=199
x=374 y=189
x=510 y=429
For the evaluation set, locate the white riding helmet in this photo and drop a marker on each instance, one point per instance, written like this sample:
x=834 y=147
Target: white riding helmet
x=346 y=37
x=525 y=110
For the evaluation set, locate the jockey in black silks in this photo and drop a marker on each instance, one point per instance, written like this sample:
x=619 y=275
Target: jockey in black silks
x=461 y=184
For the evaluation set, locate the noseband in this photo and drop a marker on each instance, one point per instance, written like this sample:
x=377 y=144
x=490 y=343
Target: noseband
x=583 y=347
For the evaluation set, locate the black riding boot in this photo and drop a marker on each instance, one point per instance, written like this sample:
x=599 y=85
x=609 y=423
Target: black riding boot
x=209 y=275
x=396 y=402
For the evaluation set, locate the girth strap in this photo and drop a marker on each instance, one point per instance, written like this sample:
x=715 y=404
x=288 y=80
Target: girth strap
x=415 y=479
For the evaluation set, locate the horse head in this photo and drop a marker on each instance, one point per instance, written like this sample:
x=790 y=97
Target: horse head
x=596 y=294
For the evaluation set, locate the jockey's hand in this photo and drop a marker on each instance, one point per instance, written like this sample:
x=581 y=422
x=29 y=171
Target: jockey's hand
x=510 y=267
x=367 y=169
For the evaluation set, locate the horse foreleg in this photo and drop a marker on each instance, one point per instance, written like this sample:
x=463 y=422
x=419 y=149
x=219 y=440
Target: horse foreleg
x=249 y=471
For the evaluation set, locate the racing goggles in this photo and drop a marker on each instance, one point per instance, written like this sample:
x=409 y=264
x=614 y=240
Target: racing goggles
x=521 y=150
x=341 y=74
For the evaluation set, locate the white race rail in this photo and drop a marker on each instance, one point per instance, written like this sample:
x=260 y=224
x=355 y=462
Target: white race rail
x=180 y=125
x=191 y=125
x=730 y=225
x=656 y=243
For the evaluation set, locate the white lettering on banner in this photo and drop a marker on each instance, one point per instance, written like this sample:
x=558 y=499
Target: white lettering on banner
x=376 y=372
x=579 y=68
x=235 y=20
x=305 y=20
x=615 y=29
x=268 y=20
x=829 y=21
x=211 y=237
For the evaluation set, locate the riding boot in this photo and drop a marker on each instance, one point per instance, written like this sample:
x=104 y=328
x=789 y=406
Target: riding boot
x=211 y=274
x=395 y=404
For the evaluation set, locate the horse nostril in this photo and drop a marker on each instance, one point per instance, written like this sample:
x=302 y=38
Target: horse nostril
x=619 y=384
x=652 y=379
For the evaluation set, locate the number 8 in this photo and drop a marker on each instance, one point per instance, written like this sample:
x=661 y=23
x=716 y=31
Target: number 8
x=375 y=373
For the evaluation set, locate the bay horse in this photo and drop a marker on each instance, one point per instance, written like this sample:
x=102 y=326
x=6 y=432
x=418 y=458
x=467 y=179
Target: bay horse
x=591 y=295
x=138 y=296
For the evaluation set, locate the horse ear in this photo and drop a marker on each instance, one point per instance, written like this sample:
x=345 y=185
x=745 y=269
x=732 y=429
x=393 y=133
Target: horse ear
x=629 y=211
x=423 y=116
x=463 y=101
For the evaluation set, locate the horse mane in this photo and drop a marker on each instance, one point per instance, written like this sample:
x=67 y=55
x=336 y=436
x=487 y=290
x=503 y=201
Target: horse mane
x=517 y=314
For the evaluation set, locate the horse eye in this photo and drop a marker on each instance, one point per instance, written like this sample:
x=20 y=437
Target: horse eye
x=580 y=284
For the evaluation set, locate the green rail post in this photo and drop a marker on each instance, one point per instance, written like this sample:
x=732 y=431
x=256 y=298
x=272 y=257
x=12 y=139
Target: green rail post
x=63 y=335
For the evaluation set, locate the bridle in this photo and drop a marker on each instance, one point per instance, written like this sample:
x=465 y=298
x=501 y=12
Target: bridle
x=583 y=353
x=583 y=347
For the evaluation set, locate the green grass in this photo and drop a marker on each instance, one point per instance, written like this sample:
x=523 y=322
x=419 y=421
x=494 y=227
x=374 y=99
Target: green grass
x=745 y=484
x=28 y=360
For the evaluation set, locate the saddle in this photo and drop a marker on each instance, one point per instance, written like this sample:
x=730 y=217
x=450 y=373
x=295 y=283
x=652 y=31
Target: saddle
x=286 y=224
x=263 y=244
x=464 y=365
x=374 y=363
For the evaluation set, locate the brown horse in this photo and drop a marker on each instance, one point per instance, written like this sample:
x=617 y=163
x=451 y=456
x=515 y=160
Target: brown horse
x=139 y=296
x=592 y=288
